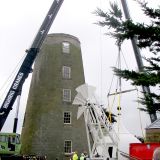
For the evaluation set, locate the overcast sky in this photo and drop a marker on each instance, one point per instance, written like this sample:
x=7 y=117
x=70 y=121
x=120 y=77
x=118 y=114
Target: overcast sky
x=20 y=21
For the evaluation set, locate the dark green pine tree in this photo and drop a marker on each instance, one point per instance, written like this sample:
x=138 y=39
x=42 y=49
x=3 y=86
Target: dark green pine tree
x=148 y=36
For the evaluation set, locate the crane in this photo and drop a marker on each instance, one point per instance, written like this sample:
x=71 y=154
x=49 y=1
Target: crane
x=15 y=90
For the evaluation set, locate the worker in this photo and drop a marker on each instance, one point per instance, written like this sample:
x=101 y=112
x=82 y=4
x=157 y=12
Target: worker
x=156 y=154
x=85 y=155
x=75 y=156
x=82 y=156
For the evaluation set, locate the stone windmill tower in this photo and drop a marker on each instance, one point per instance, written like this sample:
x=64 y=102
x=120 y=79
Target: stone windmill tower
x=50 y=126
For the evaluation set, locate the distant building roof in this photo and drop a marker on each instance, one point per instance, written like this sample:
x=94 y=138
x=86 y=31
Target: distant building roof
x=154 y=125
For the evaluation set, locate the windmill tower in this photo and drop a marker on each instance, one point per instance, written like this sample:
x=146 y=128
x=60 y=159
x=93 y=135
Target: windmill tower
x=50 y=126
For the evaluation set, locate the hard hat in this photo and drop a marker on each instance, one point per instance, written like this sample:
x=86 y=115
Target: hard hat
x=82 y=154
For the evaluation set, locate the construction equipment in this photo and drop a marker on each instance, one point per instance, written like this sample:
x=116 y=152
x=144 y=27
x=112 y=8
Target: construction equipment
x=9 y=143
x=102 y=139
x=10 y=148
x=26 y=67
x=16 y=87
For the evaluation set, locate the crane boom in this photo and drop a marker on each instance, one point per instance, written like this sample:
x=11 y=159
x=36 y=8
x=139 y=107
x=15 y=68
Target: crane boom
x=26 y=66
x=138 y=57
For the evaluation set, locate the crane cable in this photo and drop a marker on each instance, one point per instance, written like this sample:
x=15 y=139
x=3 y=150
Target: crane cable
x=11 y=76
x=140 y=118
x=119 y=96
x=118 y=85
x=110 y=107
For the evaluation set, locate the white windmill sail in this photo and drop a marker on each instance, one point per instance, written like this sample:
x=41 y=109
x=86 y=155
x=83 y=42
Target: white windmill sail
x=98 y=128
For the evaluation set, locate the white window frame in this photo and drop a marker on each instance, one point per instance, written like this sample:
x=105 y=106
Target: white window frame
x=67 y=117
x=67 y=148
x=65 y=47
x=67 y=95
x=66 y=72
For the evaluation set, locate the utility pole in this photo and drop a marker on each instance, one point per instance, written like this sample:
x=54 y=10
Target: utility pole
x=137 y=53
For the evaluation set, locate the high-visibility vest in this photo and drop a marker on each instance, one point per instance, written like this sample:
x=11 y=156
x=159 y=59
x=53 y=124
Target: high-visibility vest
x=82 y=158
x=75 y=156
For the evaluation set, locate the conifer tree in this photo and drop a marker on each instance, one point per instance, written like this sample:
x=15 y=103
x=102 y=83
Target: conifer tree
x=148 y=36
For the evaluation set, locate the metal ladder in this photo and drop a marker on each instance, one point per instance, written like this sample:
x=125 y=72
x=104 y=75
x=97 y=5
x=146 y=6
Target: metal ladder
x=102 y=134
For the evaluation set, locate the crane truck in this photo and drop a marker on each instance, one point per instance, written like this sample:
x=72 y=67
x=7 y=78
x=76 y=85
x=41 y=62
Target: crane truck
x=10 y=142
